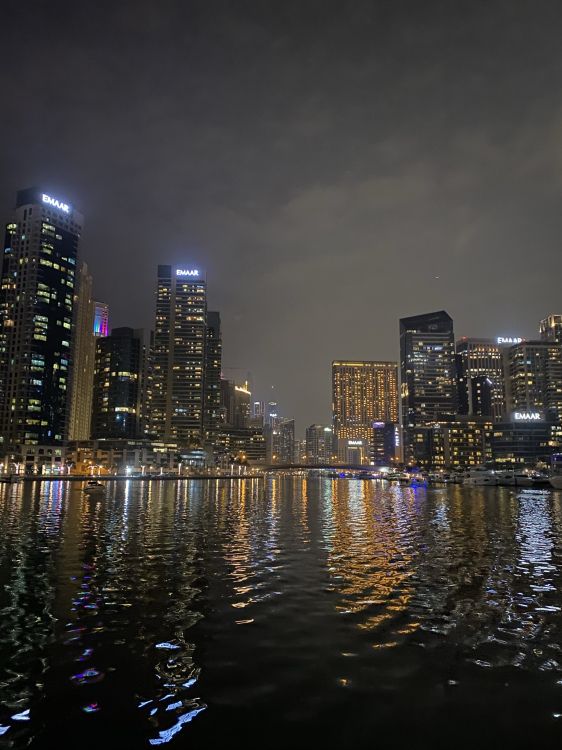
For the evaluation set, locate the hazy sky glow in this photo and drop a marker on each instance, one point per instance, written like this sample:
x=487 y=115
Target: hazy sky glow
x=333 y=165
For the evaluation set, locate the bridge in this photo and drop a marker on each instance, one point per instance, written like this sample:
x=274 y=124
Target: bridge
x=328 y=467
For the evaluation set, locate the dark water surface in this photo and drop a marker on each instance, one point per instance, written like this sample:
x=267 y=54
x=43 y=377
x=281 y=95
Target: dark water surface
x=325 y=613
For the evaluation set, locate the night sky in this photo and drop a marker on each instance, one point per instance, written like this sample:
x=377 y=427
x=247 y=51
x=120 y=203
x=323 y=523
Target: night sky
x=332 y=165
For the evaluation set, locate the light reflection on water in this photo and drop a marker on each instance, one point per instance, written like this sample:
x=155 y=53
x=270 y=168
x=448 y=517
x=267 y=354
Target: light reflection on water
x=186 y=613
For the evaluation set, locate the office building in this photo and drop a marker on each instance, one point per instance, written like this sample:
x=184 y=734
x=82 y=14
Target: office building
x=362 y=393
x=213 y=363
x=319 y=444
x=118 y=385
x=478 y=361
x=550 y=329
x=245 y=444
x=235 y=403
x=178 y=361
x=101 y=319
x=83 y=359
x=37 y=299
x=535 y=369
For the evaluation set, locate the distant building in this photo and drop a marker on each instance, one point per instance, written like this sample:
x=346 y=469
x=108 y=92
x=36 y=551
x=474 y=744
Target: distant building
x=480 y=360
x=117 y=385
x=287 y=441
x=177 y=395
x=212 y=387
x=236 y=404
x=386 y=443
x=550 y=329
x=535 y=369
x=458 y=443
x=363 y=392
x=242 y=443
x=37 y=315
x=319 y=444
x=101 y=319
x=520 y=442
x=84 y=355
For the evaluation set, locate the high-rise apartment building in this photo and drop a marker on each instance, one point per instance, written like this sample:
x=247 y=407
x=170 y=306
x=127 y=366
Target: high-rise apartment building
x=118 y=384
x=550 y=329
x=427 y=368
x=286 y=441
x=213 y=363
x=37 y=312
x=83 y=359
x=178 y=360
x=363 y=393
x=535 y=369
x=479 y=360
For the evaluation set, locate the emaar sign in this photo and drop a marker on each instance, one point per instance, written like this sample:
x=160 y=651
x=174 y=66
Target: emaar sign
x=55 y=203
x=189 y=272
x=527 y=416
x=509 y=340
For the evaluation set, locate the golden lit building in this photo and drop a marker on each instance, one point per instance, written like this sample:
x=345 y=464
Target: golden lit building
x=363 y=393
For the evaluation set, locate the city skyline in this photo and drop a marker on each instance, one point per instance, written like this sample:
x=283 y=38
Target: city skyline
x=309 y=199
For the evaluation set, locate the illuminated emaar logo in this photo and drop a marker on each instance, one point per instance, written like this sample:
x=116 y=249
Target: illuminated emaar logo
x=189 y=272
x=509 y=340
x=527 y=416
x=55 y=203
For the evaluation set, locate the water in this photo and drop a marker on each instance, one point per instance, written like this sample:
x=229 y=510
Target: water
x=340 y=613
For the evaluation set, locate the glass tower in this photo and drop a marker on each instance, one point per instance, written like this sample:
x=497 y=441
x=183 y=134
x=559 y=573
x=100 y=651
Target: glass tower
x=37 y=301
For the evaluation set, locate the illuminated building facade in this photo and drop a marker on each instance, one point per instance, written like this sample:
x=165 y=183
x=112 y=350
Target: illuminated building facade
x=101 y=319
x=319 y=444
x=236 y=403
x=177 y=368
x=427 y=375
x=459 y=443
x=479 y=361
x=362 y=393
x=37 y=310
x=535 y=370
x=427 y=365
x=519 y=443
x=117 y=385
x=550 y=329
x=84 y=355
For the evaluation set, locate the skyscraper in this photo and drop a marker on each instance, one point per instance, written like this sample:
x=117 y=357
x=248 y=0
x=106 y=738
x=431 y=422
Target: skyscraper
x=83 y=359
x=213 y=363
x=101 y=319
x=535 y=369
x=37 y=298
x=477 y=359
x=363 y=393
x=117 y=385
x=178 y=356
x=550 y=328
x=427 y=369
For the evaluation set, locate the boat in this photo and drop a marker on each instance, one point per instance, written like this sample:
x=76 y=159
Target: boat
x=556 y=481
x=514 y=478
x=480 y=476
x=94 y=488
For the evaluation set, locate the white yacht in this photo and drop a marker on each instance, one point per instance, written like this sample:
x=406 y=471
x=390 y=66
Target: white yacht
x=514 y=478
x=480 y=476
